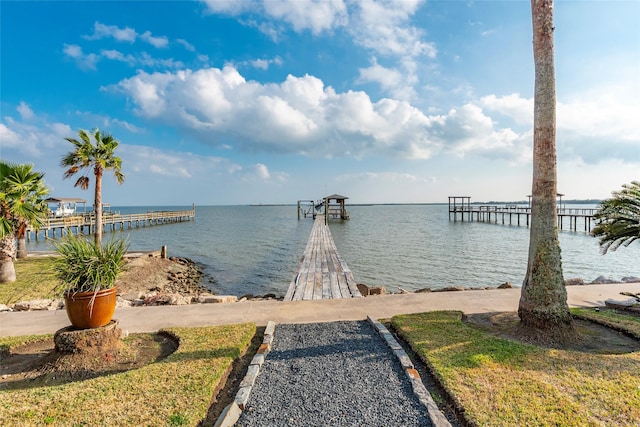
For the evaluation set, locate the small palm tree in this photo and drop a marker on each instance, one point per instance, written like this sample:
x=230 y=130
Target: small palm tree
x=97 y=156
x=22 y=204
x=619 y=218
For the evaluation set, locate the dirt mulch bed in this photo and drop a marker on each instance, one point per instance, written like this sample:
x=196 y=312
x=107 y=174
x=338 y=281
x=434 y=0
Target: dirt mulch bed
x=39 y=364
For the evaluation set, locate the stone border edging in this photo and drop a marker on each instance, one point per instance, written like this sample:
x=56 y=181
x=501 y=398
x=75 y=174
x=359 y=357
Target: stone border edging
x=232 y=412
x=437 y=417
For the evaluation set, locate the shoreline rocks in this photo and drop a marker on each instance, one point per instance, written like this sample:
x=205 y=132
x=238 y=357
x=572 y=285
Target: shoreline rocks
x=153 y=281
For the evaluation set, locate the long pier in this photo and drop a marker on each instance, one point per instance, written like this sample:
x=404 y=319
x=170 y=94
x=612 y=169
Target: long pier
x=86 y=223
x=460 y=208
x=322 y=273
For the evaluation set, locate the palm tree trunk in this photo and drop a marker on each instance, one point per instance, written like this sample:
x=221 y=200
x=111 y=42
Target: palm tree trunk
x=22 y=241
x=22 y=248
x=7 y=255
x=97 y=206
x=543 y=301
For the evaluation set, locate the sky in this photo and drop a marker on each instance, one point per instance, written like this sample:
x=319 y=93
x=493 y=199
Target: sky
x=275 y=101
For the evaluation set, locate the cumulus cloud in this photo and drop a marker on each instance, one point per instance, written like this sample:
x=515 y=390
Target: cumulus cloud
x=84 y=61
x=32 y=139
x=383 y=27
x=316 y=16
x=264 y=64
x=25 y=111
x=158 y=42
x=126 y=34
x=300 y=115
x=303 y=116
x=262 y=171
x=598 y=124
x=399 y=84
x=313 y=15
x=513 y=106
x=101 y=31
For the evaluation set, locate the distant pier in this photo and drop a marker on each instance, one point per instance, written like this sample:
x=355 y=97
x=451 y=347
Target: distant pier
x=322 y=273
x=332 y=207
x=86 y=223
x=461 y=209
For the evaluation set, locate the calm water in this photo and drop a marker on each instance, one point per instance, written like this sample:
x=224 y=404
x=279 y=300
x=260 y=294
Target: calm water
x=256 y=249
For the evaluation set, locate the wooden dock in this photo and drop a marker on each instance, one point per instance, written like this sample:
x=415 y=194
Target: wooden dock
x=460 y=208
x=85 y=223
x=322 y=273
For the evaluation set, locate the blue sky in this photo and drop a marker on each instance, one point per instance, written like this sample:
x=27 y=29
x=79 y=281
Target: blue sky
x=243 y=102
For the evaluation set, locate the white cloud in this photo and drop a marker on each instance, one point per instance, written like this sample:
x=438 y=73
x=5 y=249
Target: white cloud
x=313 y=15
x=594 y=125
x=116 y=55
x=101 y=31
x=32 y=139
x=25 y=111
x=316 y=16
x=84 y=62
x=10 y=138
x=397 y=83
x=513 y=106
x=383 y=27
x=231 y=7
x=264 y=64
x=158 y=42
x=188 y=46
x=300 y=115
x=262 y=171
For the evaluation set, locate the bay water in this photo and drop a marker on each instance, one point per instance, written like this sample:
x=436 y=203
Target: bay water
x=256 y=249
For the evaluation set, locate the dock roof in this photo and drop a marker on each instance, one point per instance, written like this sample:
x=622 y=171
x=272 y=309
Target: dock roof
x=336 y=197
x=65 y=200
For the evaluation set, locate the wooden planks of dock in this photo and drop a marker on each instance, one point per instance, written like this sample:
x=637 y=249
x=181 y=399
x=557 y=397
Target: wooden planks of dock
x=85 y=224
x=322 y=273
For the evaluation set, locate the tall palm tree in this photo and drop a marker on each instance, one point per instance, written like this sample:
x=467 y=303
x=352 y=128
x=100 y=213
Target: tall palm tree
x=543 y=308
x=22 y=204
x=96 y=156
x=619 y=218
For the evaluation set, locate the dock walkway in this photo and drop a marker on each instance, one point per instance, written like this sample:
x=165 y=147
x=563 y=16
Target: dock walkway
x=322 y=273
x=86 y=223
x=460 y=207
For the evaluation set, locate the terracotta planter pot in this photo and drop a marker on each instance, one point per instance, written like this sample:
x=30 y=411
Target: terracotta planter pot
x=84 y=315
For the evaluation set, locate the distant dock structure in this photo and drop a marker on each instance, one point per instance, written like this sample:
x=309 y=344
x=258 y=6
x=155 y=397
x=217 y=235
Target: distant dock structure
x=322 y=273
x=85 y=223
x=461 y=209
x=331 y=207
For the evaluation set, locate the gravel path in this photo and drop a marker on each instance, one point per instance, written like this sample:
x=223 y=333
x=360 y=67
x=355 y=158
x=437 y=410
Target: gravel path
x=332 y=374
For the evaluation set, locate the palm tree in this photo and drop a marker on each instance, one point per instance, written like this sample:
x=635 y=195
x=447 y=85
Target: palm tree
x=98 y=156
x=619 y=218
x=543 y=308
x=22 y=204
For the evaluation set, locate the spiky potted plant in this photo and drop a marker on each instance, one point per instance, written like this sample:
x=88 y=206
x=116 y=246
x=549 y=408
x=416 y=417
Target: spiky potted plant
x=87 y=274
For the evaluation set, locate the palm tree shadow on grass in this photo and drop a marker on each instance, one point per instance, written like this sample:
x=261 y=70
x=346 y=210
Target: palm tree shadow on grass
x=591 y=337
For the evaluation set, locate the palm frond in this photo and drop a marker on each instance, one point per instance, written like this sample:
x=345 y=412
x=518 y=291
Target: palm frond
x=619 y=218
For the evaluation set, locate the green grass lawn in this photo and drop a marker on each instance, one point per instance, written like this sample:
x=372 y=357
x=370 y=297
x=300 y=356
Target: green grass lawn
x=175 y=391
x=34 y=280
x=500 y=382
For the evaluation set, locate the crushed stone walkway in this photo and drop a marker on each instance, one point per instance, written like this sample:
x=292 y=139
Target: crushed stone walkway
x=341 y=373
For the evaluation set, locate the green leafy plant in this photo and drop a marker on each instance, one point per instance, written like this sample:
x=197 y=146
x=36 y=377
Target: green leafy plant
x=85 y=266
x=619 y=218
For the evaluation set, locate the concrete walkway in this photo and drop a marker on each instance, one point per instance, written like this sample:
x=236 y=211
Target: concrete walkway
x=149 y=319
